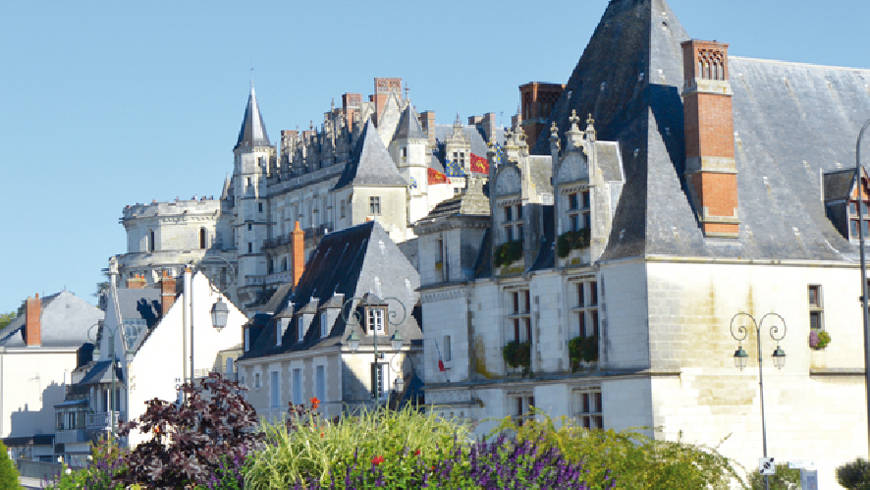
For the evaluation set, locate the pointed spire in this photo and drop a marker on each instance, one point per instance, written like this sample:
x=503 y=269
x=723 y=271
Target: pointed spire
x=253 y=131
x=371 y=164
x=409 y=125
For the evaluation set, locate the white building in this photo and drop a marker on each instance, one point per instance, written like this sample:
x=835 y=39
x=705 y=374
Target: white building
x=708 y=185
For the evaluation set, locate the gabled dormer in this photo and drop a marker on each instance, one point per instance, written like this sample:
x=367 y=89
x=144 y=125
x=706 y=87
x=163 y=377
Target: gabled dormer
x=329 y=312
x=282 y=321
x=304 y=317
x=840 y=195
x=588 y=180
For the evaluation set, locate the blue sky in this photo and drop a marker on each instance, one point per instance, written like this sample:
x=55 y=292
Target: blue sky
x=110 y=103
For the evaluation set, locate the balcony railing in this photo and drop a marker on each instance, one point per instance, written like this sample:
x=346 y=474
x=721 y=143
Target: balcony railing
x=100 y=420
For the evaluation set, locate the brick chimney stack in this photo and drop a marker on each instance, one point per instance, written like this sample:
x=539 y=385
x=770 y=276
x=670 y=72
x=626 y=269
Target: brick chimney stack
x=711 y=171
x=32 y=322
x=427 y=122
x=136 y=282
x=383 y=88
x=297 y=244
x=167 y=293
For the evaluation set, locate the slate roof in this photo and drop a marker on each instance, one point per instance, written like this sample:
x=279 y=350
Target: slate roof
x=790 y=121
x=472 y=134
x=253 y=131
x=350 y=262
x=370 y=164
x=409 y=125
x=470 y=202
x=100 y=372
x=65 y=321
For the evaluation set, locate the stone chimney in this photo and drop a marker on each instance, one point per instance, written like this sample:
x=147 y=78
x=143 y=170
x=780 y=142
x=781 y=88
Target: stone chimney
x=32 y=322
x=167 y=293
x=711 y=171
x=427 y=122
x=136 y=282
x=297 y=245
x=383 y=88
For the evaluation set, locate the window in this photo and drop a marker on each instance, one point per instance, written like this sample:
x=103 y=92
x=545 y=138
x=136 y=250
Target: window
x=587 y=308
x=228 y=370
x=513 y=222
x=297 y=386
x=404 y=153
x=814 y=293
x=589 y=409
x=250 y=247
x=257 y=382
x=202 y=238
x=300 y=328
x=448 y=349
x=378 y=372
x=578 y=210
x=150 y=245
x=324 y=325
x=440 y=266
x=247 y=339
x=249 y=226
x=375 y=205
x=59 y=421
x=375 y=320
x=274 y=391
x=520 y=318
x=259 y=207
x=320 y=382
x=853 y=213
x=341 y=207
x=521 y=406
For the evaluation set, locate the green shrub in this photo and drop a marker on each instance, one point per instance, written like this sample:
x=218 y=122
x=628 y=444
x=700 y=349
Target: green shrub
x=517 y=354
x=634 y=460
x=855 y=475
x=508 y=252
x=8 y=472
x=819 y=339
x=785 y=479
x=583 y=348
x=313 y=447
x=571 y=240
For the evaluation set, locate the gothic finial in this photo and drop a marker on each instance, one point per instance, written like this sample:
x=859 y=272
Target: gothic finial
x=331 y=104
x=589 y=120
x=554 y=131
x=574 y=120
x=457 y=122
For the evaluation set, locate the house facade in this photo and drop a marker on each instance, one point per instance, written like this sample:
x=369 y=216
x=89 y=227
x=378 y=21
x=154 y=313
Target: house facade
x=677 y=187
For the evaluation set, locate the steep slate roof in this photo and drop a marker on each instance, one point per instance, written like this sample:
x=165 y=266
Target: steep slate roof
x=409 y=125
x=790 y=120
x=478 y=145
x=253 y=131
x=65 y=320
x=370 y=164
x=349 y=262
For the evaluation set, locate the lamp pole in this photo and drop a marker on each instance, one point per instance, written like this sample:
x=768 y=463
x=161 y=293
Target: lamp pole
x=863 y=275
x=740 y=357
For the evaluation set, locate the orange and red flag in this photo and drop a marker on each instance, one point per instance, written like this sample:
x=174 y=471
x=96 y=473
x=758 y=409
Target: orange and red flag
x=479 y=164
x=436 y=177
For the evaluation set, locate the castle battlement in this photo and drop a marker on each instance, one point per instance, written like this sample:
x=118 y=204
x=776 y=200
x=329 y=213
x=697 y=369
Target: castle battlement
x=171 y=208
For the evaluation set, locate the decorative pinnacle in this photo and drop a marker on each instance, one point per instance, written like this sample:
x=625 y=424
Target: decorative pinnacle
x=554 y=131
x=574 y=119
x=589 y=120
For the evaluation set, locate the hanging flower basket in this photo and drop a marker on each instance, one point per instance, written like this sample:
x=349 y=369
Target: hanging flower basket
x=571 y=240
x=819 y=339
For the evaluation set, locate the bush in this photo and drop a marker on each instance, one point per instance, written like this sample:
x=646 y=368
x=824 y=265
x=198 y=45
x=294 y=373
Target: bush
x=855 y=475
x=571 y=240
x=583 y=348
x=508 y=252
x=8 y=472
x=634 y=460
x=517 y=354
x=785 y=479
x=819 y=339
x=106 y=463
x=203 y=441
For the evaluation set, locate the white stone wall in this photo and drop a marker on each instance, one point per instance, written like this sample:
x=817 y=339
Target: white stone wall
x=33 y=381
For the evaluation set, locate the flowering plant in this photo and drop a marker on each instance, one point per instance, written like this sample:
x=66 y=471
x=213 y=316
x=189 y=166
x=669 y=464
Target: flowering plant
x=819 y=339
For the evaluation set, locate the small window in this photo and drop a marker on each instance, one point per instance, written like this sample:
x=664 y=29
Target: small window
x=816 y=310
x=257 y=382
x=300 y=329
x=448 y=349
x=150 y=244
x=320 y=383
x=375 y=320
x=404 y=153
x=375 y=205
x=341 y=207
x=324 y=325
x=522 y=408
x=259 y=207
x=250 y=247
x=247 y=340
x=203 y=237
x=274 y=391
x=590 y=409
x=250 y=226
x=228 y=370
x=297 y=386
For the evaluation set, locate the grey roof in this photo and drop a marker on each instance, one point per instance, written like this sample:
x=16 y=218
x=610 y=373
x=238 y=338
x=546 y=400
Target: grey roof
x=100 y=373
x=65 y=321
x=350 y=262
x=470 y=202
x=472 y=134
x=253 y=131
x=370 y=164
x=409 y=125
x=790 y=121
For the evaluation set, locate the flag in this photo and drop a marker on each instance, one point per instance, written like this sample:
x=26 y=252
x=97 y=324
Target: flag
x=454 y=169
x=479 y=164
x=440 y=360
x=436 y=177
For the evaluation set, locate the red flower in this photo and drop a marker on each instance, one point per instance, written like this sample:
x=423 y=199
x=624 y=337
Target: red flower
x=321 y=434
x=314 y=402
x=417 y=452
x=377 y=460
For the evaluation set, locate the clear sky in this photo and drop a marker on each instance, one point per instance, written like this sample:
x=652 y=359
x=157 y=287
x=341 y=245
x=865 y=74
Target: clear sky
x=104 y=104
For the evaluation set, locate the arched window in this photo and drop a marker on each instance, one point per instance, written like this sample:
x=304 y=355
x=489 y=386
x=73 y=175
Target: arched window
x=202 y=238
x=150 y=244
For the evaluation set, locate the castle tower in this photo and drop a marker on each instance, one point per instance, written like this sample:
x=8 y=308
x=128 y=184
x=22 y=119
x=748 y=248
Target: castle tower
x=409 y=149
x=253 y=156
x=711 y=171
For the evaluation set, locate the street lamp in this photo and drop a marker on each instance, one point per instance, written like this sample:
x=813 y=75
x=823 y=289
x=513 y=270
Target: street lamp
x=777 y=333
x=219 y=314
x=863 y=272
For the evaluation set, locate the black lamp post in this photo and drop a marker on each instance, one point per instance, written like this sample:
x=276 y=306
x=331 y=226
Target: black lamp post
x=777 y=333
x=860 y=189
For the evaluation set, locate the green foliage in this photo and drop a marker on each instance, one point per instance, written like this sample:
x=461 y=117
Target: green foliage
x=819 y=339
x=571 y=240
x=517 y=354
x=785 y=479
x=6 y=318
x=855 y=475
x=8 y=473
x=105 y=464
x=634 y=460
x=313 y=447
x=508 y=252
x=583 y=348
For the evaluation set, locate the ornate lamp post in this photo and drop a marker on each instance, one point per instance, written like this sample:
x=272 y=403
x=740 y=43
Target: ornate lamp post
x=777 y=333
x=863 y=273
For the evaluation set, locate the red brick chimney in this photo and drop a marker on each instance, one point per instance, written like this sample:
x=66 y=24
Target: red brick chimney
x=297 y=244
x=32 y=322
x=427 y=122
x=167 y=293
x=136 y=282
x=383 y=88
x=711 y=172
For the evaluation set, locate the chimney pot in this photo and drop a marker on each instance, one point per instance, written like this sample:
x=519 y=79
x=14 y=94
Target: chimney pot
x=167 y=293
x=33 y=322
x=297 y=244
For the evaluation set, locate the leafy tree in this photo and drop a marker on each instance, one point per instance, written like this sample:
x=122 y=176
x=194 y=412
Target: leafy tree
x=855 y=475
x=192 y=443
x=8 y=473
x=6 y=318
x=785 y=479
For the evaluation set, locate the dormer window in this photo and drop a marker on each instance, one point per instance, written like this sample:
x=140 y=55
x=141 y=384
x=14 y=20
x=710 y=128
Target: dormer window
x=578 y=210
x=324 y=325
x=513 y=222
x=375 y=320
x=853 y=218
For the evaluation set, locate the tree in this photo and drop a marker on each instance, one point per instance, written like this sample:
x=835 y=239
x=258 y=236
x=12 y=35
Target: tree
x=785 y=479
x=6 y=318
x=855 y=475
x=192 y=442
x=8 y=473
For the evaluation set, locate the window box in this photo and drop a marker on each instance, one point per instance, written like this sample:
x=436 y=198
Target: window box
x=582 y=349
x=819 y=339
x=571 y=240
x=517 y=354
x=508 y=253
